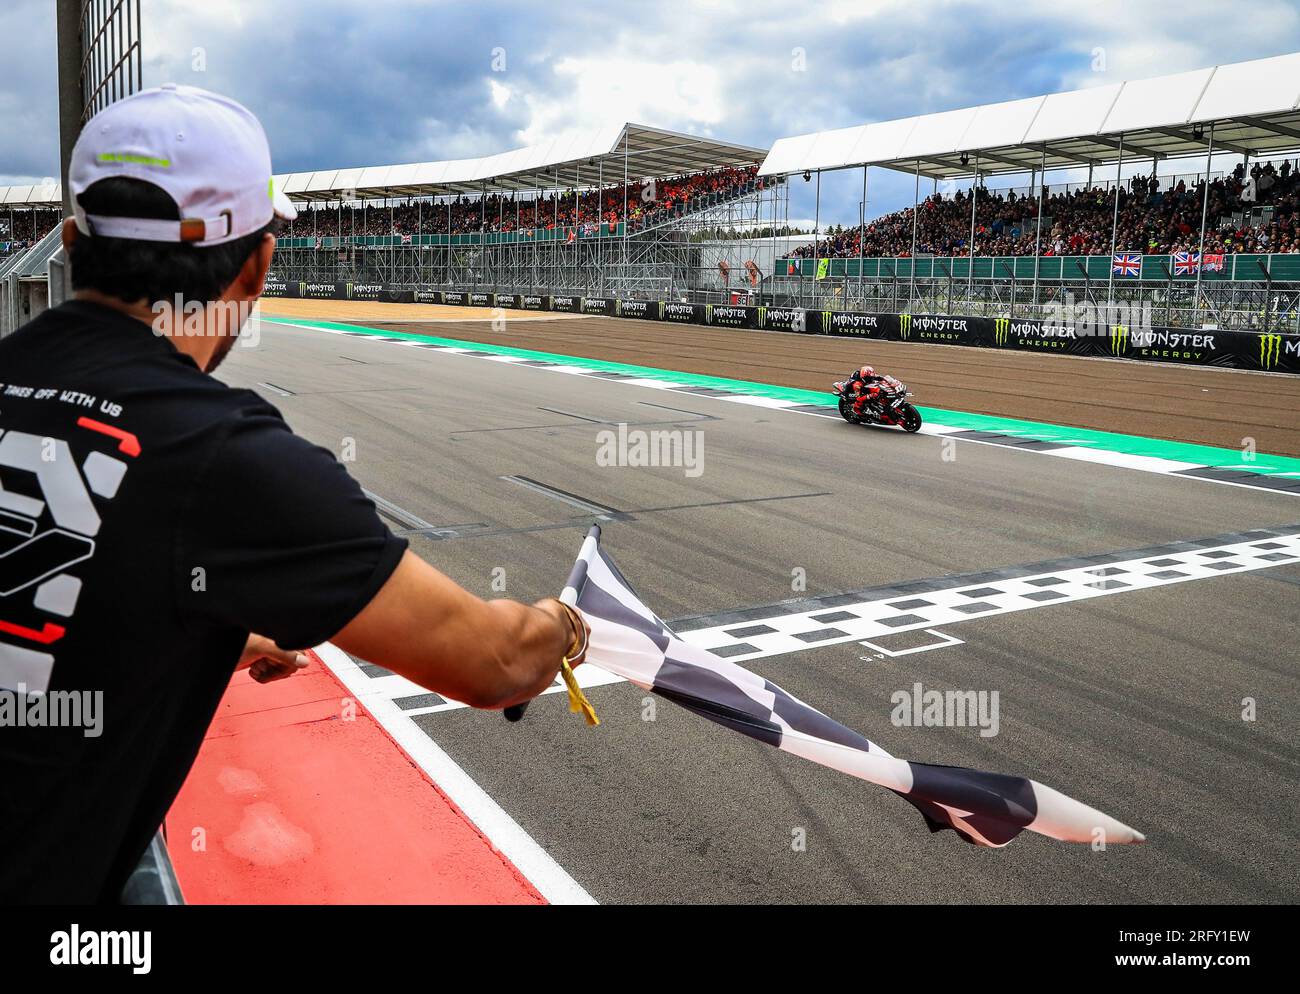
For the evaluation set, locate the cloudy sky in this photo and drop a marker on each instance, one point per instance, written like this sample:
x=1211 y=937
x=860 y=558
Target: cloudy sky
x=343 y=83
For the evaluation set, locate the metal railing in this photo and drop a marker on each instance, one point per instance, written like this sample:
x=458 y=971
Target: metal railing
x=153 y=882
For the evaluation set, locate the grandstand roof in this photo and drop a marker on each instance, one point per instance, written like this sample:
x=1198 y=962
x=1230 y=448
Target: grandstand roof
x=650 y=152
x=1255 y=107
x=39 y=195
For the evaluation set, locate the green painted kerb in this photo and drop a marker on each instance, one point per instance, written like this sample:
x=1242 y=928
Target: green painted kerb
x=1135 y=445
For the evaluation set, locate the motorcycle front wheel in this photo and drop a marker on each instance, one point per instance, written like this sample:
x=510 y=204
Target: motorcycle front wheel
x=846 y=411
x=911 y=418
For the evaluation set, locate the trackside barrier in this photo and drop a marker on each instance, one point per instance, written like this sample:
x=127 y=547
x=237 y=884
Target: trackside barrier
x=154 y=880
x=1271 y=352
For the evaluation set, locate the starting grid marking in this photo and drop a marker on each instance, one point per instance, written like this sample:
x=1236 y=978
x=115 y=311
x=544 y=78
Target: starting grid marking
x=1235 y=477
x=775 y=634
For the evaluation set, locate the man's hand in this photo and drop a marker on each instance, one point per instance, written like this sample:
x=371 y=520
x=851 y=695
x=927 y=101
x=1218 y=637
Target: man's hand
x=565 y=616
x=266 y=661
x=487 y=654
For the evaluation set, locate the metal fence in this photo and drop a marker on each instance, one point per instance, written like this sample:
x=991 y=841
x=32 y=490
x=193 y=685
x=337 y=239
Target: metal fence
x=1258 y=292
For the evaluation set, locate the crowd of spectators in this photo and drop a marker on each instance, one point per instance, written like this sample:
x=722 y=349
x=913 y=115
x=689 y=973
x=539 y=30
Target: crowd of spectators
x=22 y=228
x=1152 y=219
x=646 y=203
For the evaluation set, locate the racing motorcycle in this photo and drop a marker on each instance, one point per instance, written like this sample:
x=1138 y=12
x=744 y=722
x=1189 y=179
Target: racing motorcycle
x=890 y=406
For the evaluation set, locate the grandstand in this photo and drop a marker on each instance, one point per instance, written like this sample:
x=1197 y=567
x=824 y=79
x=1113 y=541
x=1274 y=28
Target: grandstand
x=613 y=210
x=916 y=260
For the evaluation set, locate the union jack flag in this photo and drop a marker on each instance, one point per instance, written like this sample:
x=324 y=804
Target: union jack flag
x=1126 y=264
x=1186 y=262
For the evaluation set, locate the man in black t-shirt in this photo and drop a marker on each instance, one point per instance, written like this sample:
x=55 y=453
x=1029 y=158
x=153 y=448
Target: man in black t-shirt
x=159 y=530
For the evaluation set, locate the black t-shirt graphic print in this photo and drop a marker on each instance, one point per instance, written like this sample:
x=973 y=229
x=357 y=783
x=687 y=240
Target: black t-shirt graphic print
x=150 y=519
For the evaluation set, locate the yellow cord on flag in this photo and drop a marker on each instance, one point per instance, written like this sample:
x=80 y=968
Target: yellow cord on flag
x=578 y=702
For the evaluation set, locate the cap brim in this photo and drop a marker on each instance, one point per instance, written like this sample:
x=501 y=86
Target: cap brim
x=283 y=206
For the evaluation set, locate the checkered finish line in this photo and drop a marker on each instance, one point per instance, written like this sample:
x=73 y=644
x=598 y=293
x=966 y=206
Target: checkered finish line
x=919 y=605
x=1240 y=474
x=853 y=621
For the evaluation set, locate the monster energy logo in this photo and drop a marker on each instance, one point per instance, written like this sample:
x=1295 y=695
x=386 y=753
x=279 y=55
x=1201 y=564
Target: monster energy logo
x=708 y=314
x=1000 y=329
x=904 y=326
x=1270 y=350
x=1118 y=339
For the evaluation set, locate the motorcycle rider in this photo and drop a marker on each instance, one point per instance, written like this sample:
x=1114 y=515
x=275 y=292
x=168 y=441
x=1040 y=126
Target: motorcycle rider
x=864 y=383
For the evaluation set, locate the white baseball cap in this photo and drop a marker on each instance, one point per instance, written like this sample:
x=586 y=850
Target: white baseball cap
x=206 y=151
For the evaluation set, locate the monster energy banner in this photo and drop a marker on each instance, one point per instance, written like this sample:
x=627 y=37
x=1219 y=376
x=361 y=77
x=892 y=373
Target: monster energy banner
x=683 y=313
x=571 y=305
x=534 y=302
x=324 y=291
x=783 y=318
x=1040 y=336
x=379 y=291
x=423 y=296
x=1236 y=349
x=457 y=298
x=346 y=291
x=937 y=328
x=1239 y=349
x=279 y=288
x=598 y=305
x=731 y=315
x=646 y=310
x=480 y=299
x=510 y=300
x=848 y=323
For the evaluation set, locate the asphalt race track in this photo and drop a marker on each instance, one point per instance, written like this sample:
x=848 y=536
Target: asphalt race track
x=1211 y=406
x=1131 y=702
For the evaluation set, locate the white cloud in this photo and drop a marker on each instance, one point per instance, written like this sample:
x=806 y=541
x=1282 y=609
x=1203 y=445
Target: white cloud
x=500 y=93
x=606 y=89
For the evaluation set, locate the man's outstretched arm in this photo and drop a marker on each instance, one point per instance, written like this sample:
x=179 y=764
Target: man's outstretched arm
x=488 y=654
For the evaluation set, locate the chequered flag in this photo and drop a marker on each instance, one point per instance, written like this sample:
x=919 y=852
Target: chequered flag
x=988 y=809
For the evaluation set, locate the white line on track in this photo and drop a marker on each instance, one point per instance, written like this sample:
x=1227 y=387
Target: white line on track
x=528 y=857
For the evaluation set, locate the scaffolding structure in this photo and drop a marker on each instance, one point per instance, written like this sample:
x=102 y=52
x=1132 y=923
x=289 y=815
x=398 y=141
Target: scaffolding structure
x=675 y=257
x=646 y=249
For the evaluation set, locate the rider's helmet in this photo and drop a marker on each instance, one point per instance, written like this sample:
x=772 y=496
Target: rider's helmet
x=866 y=371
